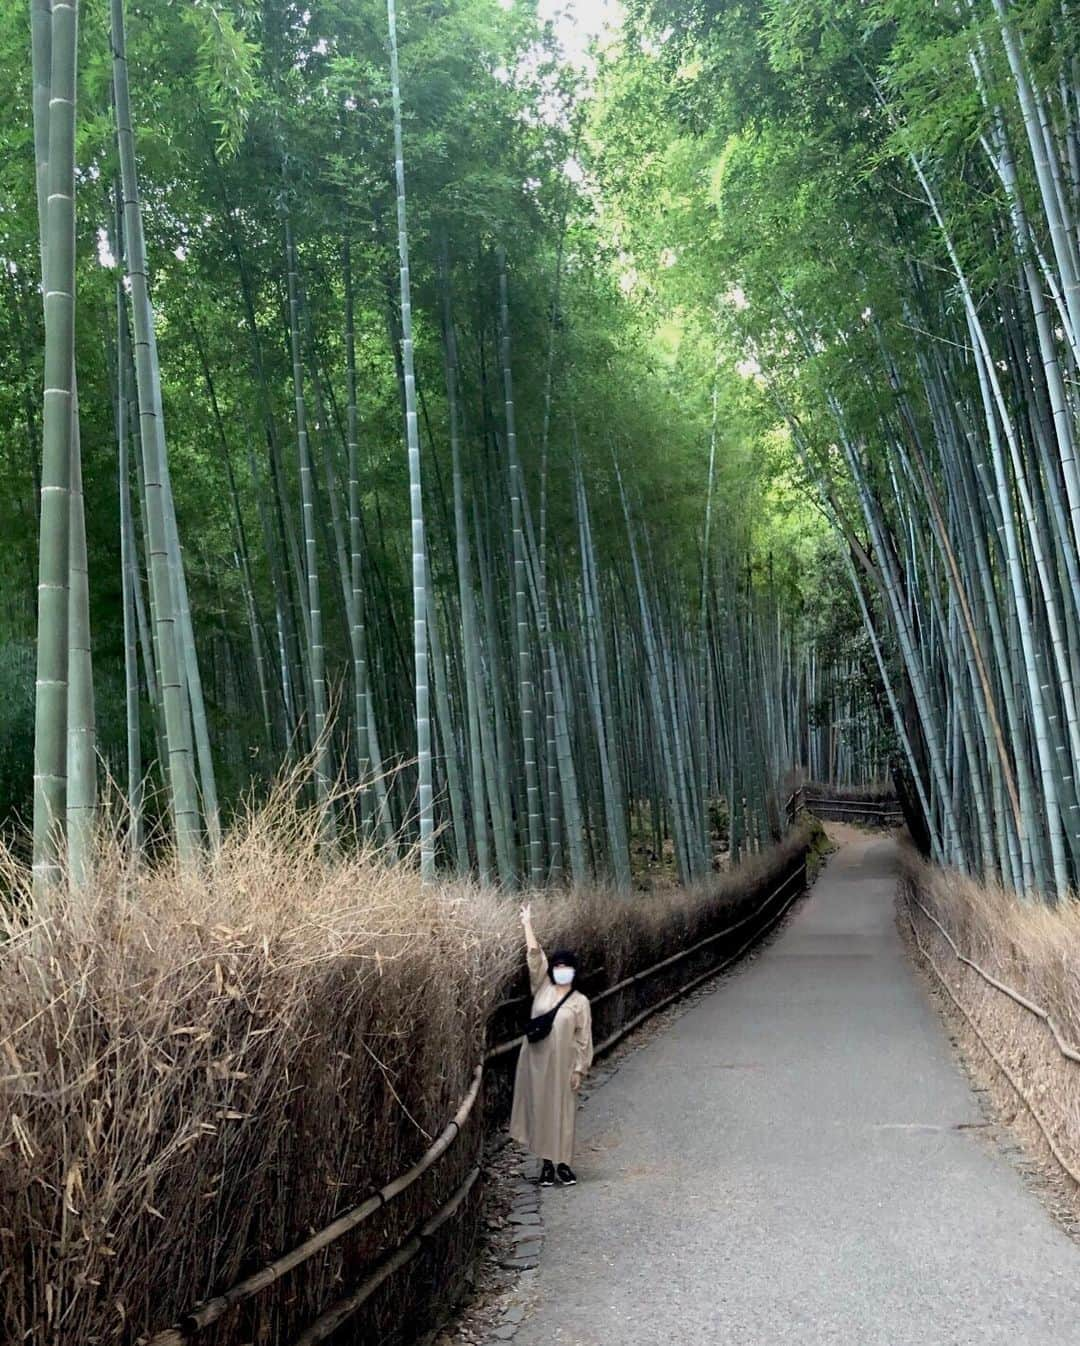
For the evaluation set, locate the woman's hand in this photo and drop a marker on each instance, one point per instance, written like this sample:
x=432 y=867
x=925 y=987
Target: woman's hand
x=531 y=942
x=575 y=1081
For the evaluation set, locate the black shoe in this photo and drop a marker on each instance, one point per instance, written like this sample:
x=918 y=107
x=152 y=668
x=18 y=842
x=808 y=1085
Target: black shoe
x=566 y=1175
x=547 y=1174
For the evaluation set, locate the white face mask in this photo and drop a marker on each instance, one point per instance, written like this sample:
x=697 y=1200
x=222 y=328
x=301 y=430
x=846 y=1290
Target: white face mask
x=563 y=976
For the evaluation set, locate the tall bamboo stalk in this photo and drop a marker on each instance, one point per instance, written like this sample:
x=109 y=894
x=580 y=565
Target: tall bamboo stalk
x=317 y=649
x=416 y=502
x=129 y=580
x=55 y=50
x=167 y=633
x=526 y=685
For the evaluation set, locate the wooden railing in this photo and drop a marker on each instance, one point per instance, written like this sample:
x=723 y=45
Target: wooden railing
x=873 y=812
x=757 y=923
x=1015 y=1079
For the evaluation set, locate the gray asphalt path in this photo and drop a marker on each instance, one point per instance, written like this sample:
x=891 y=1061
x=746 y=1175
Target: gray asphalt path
x=799 y=1160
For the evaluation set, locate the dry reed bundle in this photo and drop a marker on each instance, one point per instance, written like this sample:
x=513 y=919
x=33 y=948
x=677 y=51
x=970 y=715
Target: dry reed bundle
x=1032 y=948
x=199 y=1070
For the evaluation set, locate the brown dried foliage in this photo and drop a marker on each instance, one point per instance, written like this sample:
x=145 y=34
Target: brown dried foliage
x=199 y=1070
x=1033 y=948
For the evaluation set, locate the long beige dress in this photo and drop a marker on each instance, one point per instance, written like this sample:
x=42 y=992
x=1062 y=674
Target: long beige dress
x=545 y=1107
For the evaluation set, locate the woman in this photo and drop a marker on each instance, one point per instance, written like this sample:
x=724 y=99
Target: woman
x=550 y=1072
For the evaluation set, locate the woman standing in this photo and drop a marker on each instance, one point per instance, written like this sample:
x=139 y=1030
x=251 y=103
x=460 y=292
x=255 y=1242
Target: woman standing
x=550 y=1072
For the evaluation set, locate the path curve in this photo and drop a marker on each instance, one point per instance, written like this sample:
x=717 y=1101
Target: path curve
x=798 y=1159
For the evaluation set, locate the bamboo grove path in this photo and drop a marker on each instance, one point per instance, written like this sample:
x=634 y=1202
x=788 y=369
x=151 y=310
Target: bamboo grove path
x=799 y=1160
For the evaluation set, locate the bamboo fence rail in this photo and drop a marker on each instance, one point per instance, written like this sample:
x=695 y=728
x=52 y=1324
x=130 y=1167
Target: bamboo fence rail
x=211 y=1310
x=713 y=971
x=1064 y=1047
x=345 y=1307
x=1066 y=1050
x=887 y=812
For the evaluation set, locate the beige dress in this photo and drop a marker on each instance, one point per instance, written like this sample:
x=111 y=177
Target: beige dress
x=545 y=1107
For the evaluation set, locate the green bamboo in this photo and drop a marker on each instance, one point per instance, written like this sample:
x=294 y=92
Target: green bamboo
x=366 y=764
x=129 y=581
x=526 y=686
x=81 y=729
x=466 y=597
x=169 y=654
x=313 y=615
x=412 y=440
x=59 y=50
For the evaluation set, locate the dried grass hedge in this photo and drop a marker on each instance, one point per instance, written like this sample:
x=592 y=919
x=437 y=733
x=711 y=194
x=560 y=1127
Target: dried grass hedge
x=197 y=1072
x=1031 y=947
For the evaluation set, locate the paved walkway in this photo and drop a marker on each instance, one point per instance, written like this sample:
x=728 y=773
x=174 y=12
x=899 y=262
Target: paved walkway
x=790 y=1163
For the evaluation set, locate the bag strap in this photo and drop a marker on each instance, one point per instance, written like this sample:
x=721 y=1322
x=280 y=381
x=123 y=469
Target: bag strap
x=555 y=1008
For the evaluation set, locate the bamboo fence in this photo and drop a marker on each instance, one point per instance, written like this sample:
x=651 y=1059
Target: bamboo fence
x=624 y=996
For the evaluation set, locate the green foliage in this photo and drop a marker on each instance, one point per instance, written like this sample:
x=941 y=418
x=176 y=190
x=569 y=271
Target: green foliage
x=242 y=107
x=225 y=71
x=16 y=727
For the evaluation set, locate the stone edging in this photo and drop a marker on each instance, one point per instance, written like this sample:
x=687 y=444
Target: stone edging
x=527 y=1218
x=528 y=1234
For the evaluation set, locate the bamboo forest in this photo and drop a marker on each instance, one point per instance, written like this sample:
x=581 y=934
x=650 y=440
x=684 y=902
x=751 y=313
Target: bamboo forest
x=464 y=453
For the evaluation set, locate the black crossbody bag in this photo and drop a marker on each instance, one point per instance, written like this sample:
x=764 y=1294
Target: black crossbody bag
x=537 y=1029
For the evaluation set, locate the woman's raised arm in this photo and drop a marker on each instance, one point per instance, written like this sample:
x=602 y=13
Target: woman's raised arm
x=534 y=954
